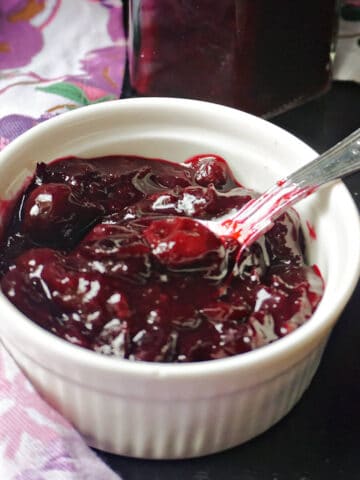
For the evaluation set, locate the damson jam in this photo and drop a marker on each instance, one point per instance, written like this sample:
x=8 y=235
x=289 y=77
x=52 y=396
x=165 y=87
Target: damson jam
x=106 y=253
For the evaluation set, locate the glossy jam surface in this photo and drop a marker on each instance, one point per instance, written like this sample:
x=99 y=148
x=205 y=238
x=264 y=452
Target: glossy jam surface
x=106 y=253
x=249 y=54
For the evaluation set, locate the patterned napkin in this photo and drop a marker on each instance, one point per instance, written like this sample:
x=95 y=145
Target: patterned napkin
x=36 y=443
x=55 y=55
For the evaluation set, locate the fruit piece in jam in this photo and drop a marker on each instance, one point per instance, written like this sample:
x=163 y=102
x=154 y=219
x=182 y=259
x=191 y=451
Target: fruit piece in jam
x=107 y=254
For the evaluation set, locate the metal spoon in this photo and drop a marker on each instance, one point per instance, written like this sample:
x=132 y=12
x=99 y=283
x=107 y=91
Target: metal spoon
x=257 y=216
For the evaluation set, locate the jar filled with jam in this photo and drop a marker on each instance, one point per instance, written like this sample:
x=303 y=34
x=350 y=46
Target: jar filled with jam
x=260 y=56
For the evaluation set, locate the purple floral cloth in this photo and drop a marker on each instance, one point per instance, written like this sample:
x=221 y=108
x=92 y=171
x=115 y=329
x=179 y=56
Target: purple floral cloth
x=50 y=63
x=36 y=443
x=55 y=55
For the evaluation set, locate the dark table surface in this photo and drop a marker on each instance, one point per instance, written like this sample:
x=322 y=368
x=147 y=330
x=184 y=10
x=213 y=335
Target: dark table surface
x=320 y=438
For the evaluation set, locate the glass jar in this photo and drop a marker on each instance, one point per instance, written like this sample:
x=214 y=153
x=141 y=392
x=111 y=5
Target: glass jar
x=260 y=56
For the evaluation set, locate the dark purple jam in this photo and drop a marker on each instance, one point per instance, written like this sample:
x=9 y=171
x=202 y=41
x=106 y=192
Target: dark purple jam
x=106 y=254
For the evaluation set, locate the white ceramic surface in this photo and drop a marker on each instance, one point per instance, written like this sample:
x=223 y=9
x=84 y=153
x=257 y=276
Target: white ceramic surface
x=176 y=411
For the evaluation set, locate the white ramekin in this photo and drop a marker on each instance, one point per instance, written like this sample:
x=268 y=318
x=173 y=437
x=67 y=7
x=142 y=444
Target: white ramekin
x=177 y=411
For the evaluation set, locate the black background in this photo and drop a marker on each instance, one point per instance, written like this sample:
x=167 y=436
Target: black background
x=320 y=438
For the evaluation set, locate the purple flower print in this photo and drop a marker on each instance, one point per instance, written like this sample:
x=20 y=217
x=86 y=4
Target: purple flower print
x=37 y=443
x=101 y=80
x=19 y=40
x=30 y=475
x=104 y=69
x=56 y=457
x=12 y=126
x=67 y=458
x=115 y=24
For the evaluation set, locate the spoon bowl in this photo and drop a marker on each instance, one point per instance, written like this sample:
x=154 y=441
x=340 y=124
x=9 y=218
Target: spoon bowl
x=257 y=216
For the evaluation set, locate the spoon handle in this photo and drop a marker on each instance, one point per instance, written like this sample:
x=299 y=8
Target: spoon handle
x=257 y=216
x=338 y=161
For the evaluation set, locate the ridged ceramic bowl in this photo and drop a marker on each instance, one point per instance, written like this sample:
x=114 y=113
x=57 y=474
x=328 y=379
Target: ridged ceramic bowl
x=182 y=410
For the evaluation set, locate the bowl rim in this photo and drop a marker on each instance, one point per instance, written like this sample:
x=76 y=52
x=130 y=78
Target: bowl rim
x=313 y=331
